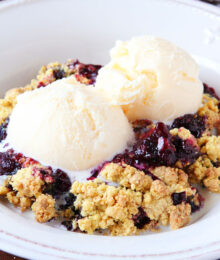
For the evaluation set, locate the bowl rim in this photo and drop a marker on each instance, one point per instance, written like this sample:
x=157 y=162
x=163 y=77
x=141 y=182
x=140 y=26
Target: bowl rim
x=203 y=7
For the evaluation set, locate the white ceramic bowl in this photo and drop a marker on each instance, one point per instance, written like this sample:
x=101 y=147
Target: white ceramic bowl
x=33 y=33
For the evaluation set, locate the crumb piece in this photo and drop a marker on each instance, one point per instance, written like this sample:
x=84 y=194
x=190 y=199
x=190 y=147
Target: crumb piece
x=170 y=175
x=11 y=95
x=44 y=208
x=127 y=176
x=181 y=132
x=197 y=171
x=125 y=228
x=203 y=171
x=4 y=190
x=159 y=189
x=26 y=184
x=103 y=206
x=25 y=203
x=210 y=145
x=210 y=110
x=5 y=109
x=13 y=199
x=157 y=209
x=212 y=179
x=180 y=215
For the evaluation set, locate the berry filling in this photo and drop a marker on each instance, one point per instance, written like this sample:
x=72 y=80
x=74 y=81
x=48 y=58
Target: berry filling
x=88 y=71
x=68 y=224
x=69 y=200
x=10 y=162
x=178 y=198
x=186 y=150
x=193 y=122
x=60 y=183
x=210 y=91
x=140 y=219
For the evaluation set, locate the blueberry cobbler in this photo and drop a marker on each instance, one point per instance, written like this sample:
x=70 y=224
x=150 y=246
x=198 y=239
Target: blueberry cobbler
x=115 y=149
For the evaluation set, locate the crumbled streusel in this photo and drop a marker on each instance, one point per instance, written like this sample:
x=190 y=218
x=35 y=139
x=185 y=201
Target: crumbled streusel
x=44 y=208
x=113 y=208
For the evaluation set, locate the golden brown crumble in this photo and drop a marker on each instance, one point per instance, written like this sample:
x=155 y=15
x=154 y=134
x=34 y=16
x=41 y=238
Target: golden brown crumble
x=212 y=180
x=113 y=208
x=179 y=215
x=197 y=171
x=127 y=176
x=26 y=184
x=182 y=133
x=103 y=206
x=44 y=208
x=210 y=145
x=203 y=171
x=210 y=111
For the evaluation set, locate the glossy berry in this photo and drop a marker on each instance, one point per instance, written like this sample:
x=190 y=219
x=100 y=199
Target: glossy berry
x=193 y=122
x=186 y=151
x=9 y=163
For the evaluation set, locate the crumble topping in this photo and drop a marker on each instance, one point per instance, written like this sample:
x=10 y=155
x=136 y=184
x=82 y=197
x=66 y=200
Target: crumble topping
x=210 y=145
x=127 y=176
x=182 y=133
x=210 y=110
x=43 y=208
x=115 y=208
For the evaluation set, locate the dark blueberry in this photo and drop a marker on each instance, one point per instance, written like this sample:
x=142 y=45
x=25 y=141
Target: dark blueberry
x=3 y=130
x=69 y=200
x=195 y=207
x=193 y=122
x=140 y=219
x=156 y=148
x=61 y=183
x=186 y=151
x=8 y=164
x=68 y=224
x=210 y=91
x=178 y=198
x=59 y=74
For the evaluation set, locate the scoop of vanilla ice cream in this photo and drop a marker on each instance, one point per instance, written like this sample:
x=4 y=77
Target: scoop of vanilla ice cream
x=68 y=125
x=151 y=78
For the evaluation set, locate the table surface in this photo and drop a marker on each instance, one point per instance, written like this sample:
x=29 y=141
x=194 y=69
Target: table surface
x=6 y=256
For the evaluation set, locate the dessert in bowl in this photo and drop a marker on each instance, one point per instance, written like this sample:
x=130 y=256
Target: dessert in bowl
x=114 y=149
